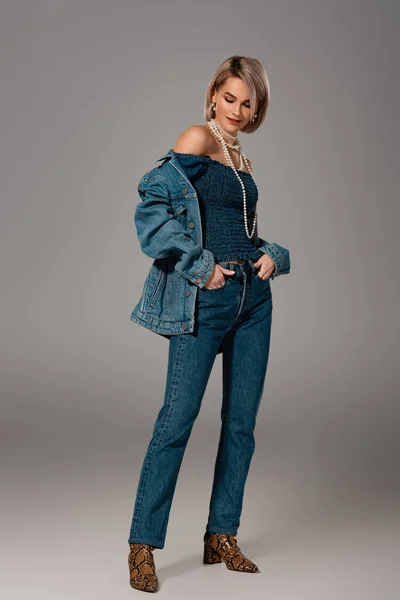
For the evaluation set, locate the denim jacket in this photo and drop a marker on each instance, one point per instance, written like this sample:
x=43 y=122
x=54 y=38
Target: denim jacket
x=168 y=225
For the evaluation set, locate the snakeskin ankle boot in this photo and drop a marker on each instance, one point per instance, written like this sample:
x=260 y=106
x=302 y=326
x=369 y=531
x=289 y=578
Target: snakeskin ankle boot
x=142 y=570
x=220 y=547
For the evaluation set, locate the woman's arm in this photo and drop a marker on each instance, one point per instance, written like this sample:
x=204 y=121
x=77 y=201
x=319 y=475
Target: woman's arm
x=161 y=235
x=278 y=254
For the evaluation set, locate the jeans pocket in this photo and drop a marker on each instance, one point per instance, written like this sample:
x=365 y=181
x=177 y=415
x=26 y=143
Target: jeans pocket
x=218 y=289
x=265 y=284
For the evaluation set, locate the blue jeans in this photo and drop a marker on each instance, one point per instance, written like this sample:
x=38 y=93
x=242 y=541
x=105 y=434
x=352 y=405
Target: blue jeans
x=238 y=316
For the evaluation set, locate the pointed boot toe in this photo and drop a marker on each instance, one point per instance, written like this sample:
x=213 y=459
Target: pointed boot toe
x=220 y=547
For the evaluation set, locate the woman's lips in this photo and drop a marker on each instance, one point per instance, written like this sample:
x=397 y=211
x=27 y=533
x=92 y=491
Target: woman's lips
x=232 y=121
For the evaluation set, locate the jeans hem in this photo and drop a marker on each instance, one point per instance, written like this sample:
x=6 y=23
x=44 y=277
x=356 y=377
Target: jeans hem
x=225 y=530
x=137 y=540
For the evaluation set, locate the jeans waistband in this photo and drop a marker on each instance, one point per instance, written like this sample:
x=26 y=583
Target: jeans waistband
x=240 y=265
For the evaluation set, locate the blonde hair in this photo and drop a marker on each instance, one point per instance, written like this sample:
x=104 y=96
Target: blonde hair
x=251 y=71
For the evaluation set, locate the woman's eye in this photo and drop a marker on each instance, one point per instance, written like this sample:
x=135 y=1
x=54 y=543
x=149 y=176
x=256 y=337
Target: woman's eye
x=231 y=102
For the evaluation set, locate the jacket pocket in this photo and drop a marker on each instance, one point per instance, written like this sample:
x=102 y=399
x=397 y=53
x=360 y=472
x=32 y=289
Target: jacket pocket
x=179 y=209
x=153 y=286
x=159 y=286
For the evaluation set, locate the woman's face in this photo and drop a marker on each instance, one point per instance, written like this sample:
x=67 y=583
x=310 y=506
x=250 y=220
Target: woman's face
x=232 y=101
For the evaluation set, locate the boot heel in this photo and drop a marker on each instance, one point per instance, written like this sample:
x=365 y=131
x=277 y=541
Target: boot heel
x=210 y=556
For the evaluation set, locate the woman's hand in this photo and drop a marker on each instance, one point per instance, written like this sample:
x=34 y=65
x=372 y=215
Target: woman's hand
x=217 y=278
x=266 y=265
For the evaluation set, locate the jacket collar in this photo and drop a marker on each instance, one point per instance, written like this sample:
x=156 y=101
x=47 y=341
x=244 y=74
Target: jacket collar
x=169 y=153
x=175 y=162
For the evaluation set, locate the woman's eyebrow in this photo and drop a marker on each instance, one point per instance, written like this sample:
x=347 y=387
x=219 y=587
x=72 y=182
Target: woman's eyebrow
x=229 y=94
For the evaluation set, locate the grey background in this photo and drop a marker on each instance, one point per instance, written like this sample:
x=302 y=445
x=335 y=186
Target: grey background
x=91 y=93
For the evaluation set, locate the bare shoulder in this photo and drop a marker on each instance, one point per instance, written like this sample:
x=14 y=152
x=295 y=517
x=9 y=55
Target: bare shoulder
x=197 y=139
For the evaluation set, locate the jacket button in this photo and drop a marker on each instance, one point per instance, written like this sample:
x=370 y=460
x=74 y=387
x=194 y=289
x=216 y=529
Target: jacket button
x=184 y=191
x=187 y=293
x=199 y=280
x=191 y=225
x=183 y=326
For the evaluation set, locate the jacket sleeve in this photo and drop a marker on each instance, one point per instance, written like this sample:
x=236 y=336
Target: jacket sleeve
x=161 y=234
x=278 y=254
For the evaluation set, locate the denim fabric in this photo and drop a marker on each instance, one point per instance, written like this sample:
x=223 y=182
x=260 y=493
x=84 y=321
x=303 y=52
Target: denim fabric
x=220 y=196
x=169 y=229
x=236 y=317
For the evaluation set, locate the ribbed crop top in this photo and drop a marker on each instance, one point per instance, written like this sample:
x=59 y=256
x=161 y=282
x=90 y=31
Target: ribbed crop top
x=221 y=206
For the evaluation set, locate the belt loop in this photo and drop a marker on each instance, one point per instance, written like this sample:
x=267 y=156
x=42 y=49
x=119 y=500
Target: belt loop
x=250 y=261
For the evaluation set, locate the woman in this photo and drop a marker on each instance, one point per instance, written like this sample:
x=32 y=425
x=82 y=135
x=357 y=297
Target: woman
x=208 y=291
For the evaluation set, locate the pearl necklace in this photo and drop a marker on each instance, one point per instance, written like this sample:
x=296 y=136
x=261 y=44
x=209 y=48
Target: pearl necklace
x=233 y=137
x=238 y=146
